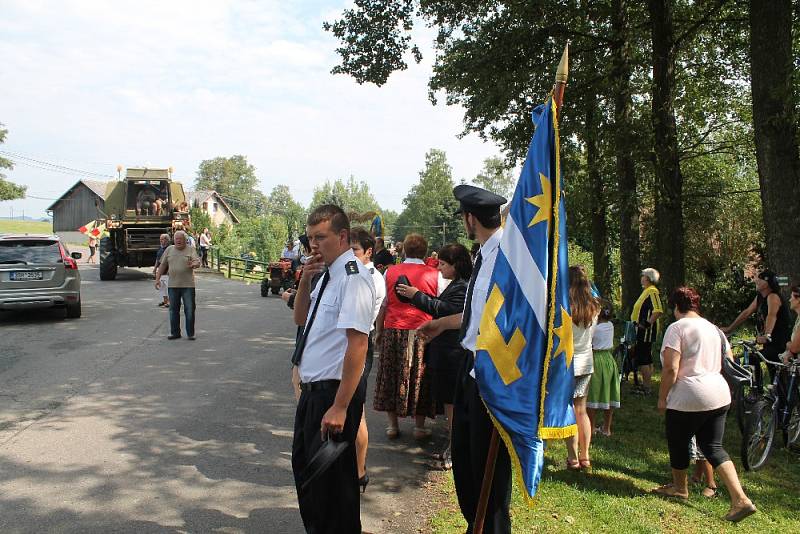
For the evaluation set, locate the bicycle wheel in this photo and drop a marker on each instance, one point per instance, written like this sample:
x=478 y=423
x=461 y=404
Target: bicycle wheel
x=744 y=398
x=792 y=429
x=758 y=435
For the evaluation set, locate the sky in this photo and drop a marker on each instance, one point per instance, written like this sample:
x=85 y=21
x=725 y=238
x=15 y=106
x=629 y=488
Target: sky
x=90 y=85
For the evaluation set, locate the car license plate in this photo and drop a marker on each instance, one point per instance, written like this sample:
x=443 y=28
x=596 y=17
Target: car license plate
x=27 y=275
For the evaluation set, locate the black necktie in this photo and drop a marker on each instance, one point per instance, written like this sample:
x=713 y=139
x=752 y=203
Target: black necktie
x=468 y=302
x=301 y=343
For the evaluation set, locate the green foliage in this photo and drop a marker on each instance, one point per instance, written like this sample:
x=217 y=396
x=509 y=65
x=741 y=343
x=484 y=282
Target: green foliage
x=235 y=180
x=8 y=190
x=430 y=206
x=200 y=220
x=496 y=177
x=353 y=196
x=280 y=202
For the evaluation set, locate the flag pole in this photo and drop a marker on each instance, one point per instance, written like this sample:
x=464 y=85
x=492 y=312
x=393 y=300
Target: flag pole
x=494 y=442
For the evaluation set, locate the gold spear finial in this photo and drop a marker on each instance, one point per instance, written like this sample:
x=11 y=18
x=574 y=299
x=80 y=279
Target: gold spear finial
x=563 y=66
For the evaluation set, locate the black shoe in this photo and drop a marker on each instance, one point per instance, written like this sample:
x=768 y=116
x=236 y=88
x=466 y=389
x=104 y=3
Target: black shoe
x=363 y=481
x=190 y=338
x=173 y=337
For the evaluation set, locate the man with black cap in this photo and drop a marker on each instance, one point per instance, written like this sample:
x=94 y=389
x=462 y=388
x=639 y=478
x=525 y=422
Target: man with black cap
x=472 y=428
x=338 y=314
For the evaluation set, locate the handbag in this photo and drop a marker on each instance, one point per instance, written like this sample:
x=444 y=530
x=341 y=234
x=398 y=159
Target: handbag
x=735 y=374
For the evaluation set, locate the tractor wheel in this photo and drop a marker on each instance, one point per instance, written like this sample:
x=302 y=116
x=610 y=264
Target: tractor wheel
x=265 y=287
x=108 y=260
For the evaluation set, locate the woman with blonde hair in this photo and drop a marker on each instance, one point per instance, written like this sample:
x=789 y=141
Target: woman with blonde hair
x=584 y=309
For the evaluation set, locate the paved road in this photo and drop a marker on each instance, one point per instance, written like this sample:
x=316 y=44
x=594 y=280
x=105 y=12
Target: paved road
x=105 y=426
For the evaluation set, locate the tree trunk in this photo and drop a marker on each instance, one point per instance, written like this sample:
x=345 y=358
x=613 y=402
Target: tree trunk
x=668 y=178
x=776 y=131
x=600 y=257
x=626 y=171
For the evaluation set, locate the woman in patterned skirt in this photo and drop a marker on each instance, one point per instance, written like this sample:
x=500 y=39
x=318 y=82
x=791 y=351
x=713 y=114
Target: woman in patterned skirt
x=401 y=388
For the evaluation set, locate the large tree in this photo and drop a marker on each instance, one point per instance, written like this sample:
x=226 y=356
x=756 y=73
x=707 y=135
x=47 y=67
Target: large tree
x=280 y=202
x=496 y=176
x=775 y=126
x=352 y=195
x=8 y=190
x=430 y=206
x=235 y=180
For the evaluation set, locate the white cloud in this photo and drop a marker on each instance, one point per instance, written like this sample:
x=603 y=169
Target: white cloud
x=173 y=83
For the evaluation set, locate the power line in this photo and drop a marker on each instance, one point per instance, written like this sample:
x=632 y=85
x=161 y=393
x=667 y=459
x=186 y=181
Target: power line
x=47 y=166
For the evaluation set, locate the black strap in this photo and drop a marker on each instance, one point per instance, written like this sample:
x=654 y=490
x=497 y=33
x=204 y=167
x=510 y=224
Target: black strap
x=301 y=343
x=468 y=301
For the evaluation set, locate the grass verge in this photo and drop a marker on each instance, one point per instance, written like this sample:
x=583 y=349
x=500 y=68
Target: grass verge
x=10 y=226
x=626 y=465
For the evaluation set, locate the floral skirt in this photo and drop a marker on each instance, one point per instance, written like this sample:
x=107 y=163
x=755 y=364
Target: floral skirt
x=401 y=384
x=604 y=387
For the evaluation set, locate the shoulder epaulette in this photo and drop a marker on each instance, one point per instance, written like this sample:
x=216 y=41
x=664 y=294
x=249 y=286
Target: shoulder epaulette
x=351 y=267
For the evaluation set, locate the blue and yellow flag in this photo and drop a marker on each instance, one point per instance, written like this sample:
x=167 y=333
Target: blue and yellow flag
x=523 y=361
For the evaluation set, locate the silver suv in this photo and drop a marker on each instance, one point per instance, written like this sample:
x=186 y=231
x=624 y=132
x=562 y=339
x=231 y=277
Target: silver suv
x=37 y=271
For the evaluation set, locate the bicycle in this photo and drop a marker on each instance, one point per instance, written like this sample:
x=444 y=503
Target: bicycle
x=746 y=395
x=778 y=408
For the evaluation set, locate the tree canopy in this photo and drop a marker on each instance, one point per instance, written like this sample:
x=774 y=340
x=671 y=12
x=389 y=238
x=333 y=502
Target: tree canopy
x=235 y=180
x=8 y=190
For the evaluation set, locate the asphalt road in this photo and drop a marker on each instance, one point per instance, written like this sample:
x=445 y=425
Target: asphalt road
x=105 y=426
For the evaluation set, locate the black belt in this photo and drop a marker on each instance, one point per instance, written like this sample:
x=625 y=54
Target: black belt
x=319 y=385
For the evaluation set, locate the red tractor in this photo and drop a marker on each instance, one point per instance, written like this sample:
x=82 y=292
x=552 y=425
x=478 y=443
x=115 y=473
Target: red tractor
x=281 y=277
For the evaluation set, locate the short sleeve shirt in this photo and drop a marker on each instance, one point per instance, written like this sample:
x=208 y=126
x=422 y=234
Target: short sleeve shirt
x=348 y=301
x=648 y=303
x=699 y=385
x=380 y=289
x=180 y=274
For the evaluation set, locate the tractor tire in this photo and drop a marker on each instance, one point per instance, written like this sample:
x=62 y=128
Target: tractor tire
x=74 y=310
x=108 y=261
x=265 y=287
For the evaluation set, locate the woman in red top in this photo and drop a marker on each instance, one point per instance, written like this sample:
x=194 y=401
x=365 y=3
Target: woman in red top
x=401 y=388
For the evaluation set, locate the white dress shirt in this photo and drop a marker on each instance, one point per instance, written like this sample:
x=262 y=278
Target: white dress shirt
x=480 y=291
x=347 y=302
x=380 y=289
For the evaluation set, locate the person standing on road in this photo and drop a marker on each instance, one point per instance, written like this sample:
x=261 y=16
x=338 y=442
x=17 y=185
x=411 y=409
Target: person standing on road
x=472 y=428
x=337 y=315
x=205 y=245
x=181 y=260
x=92 y=249
x=164 y=241
x=363 y=244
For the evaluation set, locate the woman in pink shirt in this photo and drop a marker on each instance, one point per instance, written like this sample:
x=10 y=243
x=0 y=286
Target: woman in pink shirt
x=695 y=399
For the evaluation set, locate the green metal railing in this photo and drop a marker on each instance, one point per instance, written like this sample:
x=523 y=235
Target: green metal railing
x=241 y=268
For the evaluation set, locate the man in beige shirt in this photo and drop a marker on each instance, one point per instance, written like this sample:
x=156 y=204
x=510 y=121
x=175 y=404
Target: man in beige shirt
x=181 y=261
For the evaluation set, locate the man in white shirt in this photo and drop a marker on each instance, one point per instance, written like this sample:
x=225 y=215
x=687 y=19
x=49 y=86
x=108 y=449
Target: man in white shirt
x=472 y=427
x=363 y=244
x=338 y=315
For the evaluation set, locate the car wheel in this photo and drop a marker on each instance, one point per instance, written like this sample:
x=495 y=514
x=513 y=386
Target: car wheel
x=74 y=310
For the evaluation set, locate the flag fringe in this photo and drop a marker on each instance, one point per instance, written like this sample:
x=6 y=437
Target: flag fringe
x=553 y=265
x=516 y=465
x=558 y=433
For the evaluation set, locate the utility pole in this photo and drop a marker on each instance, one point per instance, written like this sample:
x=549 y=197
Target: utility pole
x=444 y=234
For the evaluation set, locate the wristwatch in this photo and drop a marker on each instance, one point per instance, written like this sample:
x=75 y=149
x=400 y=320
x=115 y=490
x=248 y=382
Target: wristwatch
x=769 y=337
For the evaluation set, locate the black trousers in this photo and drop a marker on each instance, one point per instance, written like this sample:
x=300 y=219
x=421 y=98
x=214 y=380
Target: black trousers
x=472 y=430
x=331 y=504
x=708 y=428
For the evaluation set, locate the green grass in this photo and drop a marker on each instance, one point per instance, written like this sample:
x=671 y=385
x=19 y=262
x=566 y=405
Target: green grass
x=22 y=227
x=613 y=498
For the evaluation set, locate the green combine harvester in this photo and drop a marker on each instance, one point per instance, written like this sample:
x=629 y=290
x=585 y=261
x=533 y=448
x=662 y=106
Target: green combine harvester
x=138 y=209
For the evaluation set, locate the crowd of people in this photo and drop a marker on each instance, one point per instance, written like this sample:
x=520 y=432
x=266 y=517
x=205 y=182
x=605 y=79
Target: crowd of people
x=416 y=314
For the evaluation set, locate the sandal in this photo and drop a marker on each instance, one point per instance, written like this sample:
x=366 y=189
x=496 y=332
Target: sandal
x=667 y=491
x=585 y=465
x=709 y=492
x=741 y=513
x=422 y=433
x=392 y=432
x=573 y=465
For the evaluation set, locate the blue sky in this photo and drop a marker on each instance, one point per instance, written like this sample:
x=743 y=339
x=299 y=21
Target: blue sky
x=91 y=84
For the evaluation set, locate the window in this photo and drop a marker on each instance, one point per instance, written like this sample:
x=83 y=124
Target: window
x=29 y=252
x=216 y=206
x=205 y=206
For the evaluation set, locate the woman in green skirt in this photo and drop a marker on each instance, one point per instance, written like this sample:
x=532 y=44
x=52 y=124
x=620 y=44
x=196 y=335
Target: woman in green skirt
x=604 y=386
